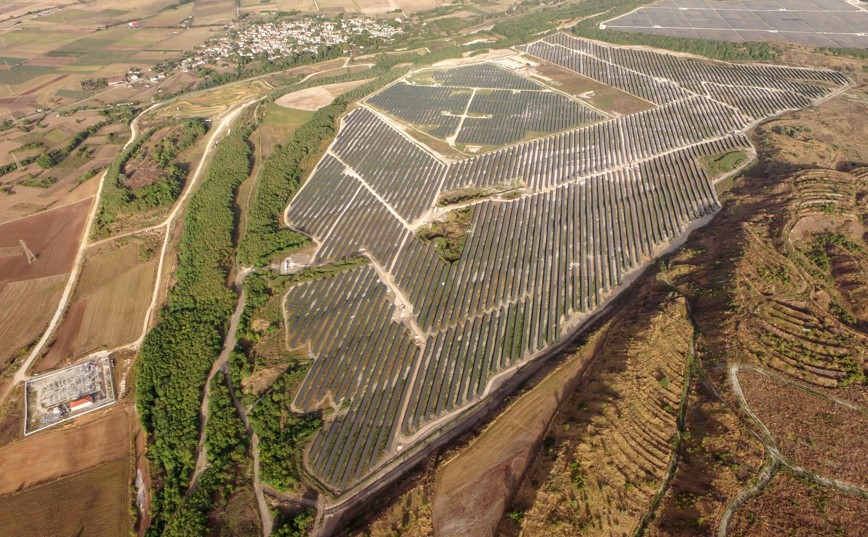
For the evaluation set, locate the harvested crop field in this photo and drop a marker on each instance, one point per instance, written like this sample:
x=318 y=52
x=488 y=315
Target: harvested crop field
x=53 y=236
x=816 y=432
x=29 y=292
x=208 y=12
x=49 y=455
x=25 y=308
x=793 y=506
x=109 y=305
x=312 y=99
x=94 y=503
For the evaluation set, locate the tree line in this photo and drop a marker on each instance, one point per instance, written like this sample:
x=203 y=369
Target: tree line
x=266 y=235
x=118 y=198
x=178 y=352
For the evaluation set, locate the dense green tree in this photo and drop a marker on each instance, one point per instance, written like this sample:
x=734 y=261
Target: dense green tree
x=177 y=354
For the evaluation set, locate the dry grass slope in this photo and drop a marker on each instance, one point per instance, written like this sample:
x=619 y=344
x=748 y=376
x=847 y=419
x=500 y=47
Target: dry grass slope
x=612 y=443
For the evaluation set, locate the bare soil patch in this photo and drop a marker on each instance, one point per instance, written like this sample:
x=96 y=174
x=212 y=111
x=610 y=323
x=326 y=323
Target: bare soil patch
x=312 y=99
x=261 y=380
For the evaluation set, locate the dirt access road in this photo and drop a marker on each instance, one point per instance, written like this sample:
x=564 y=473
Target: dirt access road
x=222 y=126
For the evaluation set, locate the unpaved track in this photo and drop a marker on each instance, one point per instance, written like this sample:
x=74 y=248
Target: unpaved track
x=767 y=439
x=219 y=365
x=221 y=127
x=768 y=470
x=21 y=374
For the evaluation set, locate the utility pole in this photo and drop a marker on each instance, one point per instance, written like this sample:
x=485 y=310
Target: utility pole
x=31 y=257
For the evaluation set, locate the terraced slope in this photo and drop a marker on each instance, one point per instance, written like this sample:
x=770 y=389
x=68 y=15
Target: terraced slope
x=612 y=453
x=406 y=345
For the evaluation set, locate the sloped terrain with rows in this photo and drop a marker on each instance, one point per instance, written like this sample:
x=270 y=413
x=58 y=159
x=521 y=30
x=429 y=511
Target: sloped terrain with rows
x=404 y=346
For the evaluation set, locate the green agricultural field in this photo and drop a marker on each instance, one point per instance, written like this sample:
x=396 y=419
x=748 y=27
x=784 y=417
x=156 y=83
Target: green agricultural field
x=72 y=94
x=32 y=39
x=23 y=73
x=285 y=117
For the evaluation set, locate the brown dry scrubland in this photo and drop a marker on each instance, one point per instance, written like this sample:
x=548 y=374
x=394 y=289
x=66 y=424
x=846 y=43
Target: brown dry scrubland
x=778 y=280
x=610 y=445
x=836 y=449
x=472 y=488
x=795 y=506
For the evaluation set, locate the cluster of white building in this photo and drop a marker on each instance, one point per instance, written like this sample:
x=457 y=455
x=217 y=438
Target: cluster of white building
x=281 y=39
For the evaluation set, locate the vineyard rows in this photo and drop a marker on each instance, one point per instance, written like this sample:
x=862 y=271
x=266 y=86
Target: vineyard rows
x=412 y=339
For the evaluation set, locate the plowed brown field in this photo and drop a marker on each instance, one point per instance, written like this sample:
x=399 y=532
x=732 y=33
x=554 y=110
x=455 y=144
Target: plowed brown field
x=94 y=503
x=58 y=452
x=53 y=236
